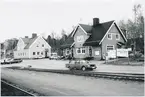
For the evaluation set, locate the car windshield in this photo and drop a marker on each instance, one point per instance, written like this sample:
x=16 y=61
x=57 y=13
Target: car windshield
x=83 y=61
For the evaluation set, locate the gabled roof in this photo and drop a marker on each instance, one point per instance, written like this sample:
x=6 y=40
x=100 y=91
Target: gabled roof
x=26 y=40
x=69 y=41
x=87 y=28
x=98 y=32
x=29 y=41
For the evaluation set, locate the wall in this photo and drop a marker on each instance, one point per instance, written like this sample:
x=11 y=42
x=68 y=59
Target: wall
x=21 y=53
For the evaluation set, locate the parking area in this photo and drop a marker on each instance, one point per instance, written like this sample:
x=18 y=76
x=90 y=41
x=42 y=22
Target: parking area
x=60 y=64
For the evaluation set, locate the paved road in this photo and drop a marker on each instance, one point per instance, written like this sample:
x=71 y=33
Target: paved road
x=60 y=64
x=52 y=84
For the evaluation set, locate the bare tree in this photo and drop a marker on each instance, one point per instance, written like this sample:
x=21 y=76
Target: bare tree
x=135 y=27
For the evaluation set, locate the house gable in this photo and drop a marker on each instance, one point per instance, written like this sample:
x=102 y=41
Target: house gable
x=113 y=40
x=80 y=37
x=39 y=43
x=80 y=27
x=20 y=44
x=116 y=29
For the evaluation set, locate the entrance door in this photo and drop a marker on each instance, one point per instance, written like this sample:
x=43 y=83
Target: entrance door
x=46 y=54
x=90 y=51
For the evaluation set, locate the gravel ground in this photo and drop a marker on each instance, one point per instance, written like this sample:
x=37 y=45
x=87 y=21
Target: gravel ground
x=71 y=85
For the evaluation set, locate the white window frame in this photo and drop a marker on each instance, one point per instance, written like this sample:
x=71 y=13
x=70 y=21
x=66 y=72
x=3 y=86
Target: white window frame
x=77 y=50
x=83 y=48
x=34 y=53
x=108 y=37
x=109 y=45
x=118 y=37
x=66 y=52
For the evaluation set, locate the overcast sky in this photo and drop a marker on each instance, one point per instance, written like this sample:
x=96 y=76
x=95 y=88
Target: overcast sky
x=19 y=18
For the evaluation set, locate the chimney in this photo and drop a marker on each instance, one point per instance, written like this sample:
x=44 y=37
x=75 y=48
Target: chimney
x=95 y=21
x=34 y=35
x=26 y=37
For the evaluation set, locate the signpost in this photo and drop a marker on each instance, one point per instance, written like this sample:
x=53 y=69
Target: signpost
x=122 y=52
x=118 y=53
x=96 y=53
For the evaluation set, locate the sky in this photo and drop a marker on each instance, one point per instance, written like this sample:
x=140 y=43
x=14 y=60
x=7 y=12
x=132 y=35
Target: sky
x=20 y=18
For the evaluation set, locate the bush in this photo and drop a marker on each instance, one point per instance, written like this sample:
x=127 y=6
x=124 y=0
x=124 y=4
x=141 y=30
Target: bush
x=137 y=55
x=88 y=58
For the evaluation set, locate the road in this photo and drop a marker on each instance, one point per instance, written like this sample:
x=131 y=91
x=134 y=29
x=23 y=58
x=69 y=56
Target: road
x=52 y=84
x=60 y=64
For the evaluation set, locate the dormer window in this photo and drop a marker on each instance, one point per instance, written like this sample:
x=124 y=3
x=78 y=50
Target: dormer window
x=109 y=36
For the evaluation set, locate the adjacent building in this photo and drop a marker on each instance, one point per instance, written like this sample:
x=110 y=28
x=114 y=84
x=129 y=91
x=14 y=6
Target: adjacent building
x=94 y=40
x=34 y=47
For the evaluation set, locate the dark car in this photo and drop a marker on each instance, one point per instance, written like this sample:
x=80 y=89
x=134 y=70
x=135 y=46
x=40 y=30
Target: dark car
x=81 y=65
x=16 y=60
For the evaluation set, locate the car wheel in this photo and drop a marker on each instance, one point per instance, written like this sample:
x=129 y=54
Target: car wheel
x=83 y=68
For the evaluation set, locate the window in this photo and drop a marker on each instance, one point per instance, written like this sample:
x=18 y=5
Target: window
x=67 y=52
x=37 y=53
x=37 y=46
x=117 y=36
x=33 y=53
x=42 y=45
x=78 y=50
x=109 y=36
x=41 y=53
x=83 y=50
x=110 y=47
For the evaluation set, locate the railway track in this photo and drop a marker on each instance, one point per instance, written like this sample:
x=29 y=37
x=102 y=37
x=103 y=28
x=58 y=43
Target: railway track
x=9 y=89
x=120 y=76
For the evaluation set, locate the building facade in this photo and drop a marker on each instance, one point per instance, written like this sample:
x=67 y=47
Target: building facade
x=35 y=47
x=95 y=40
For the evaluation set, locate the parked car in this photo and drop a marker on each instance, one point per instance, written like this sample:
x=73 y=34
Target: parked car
x=16 y=60
x=6 y=61
x=53 y=56
x=10 y=61
x=80 y=64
